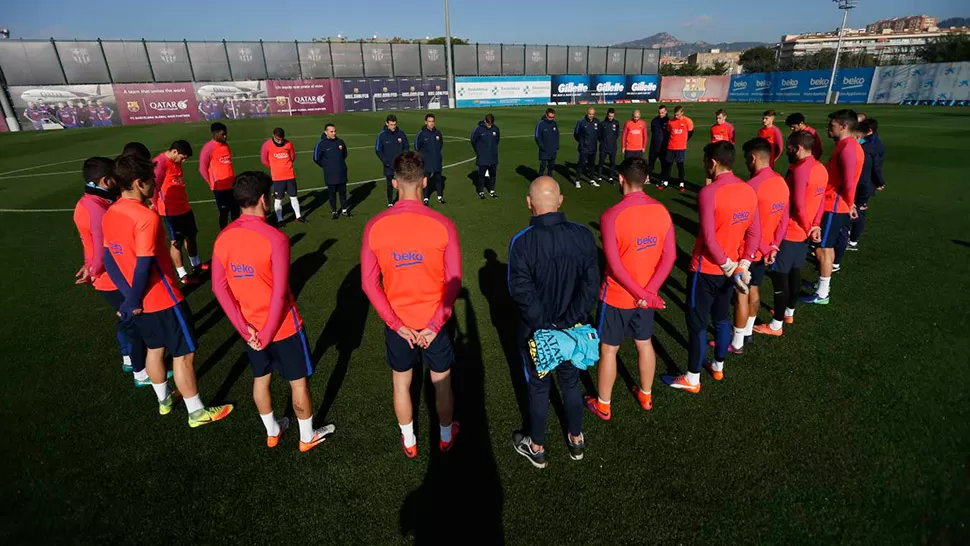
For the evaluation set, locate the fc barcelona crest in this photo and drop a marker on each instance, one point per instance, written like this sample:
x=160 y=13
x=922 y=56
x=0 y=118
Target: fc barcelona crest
x=695 y=88
x=133 y=106
x=281 y=101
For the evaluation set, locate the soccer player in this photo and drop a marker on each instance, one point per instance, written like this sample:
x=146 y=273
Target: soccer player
x=89 y=115
x=726 y=243
x=844 y=168
x=413 y=251
x=609 y=133
x=772 y=134
x=861 y=116
x=250 y=278
x=640 y=248
x=806 y=181
x=215 y=166
x=485 y=139
x=390 y=142
x=659 y=140
x=171 y=202
x=553 y=274
x=721 y=130
x=869 y=181
x=104 y=113
x=140 y=266
x=330 y=154
x=99 y=192
x=680 y=130
x=774 y=202
x=137 y=149
x=634 y=140
x=35 y=116
x=796 y=122
x=278 y=155
x=585 y=133
x=429 y=142
x=547 y=139
x=67 y=115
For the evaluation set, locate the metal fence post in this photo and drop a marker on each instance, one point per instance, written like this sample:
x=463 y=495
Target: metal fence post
x=263 y=52
x=363 y=68
x=57 y=55
x=105 y=58
x=390 y=46
x=225 y=48
x=151 y=69
x=333 y=69
x=299 y=62
x=188 y=56
x=420 y=59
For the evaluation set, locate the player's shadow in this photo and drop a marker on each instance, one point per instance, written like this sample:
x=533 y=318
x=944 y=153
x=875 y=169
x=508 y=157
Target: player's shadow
x=692 y=205
x=359 y=194
x=307 y=265
x=685 y=223
x=527 y=172
x=961 y=243
x=235 y=373
x=567 y=170
x=463 y=485
x=213 y=315
x=296 y=238
x=345 y=331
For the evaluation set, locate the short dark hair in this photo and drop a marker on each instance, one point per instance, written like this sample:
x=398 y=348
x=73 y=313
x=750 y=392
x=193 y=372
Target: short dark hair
x=325 y=127
x=550 y=111
x=390 y=117
x=678 y=108
x=863 y=127
x=802 y=139
x=845 y=117
x=489 y=118
x=428 y=116
x=719 y=112
x=218 y=127
x=795 y=119
x=279 y=133
x=128 y=168
x=759 y=146
x=721 y=151
x=611 y=110
x=662 y=107
x=136 y=149
x=182 y=147
x=873 y=124
x=408 y=167
x=96 y=168
x=768 y=113
x=250 y=186
x=634 y=170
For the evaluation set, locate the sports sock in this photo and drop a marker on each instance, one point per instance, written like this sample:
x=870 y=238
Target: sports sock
x=407 y=431
x=693 y=378
x=775 y=325
x=126 y=360
x=195 y=261
x=161 y=390
x=789 y=312
x=278 y=207
x=717 y=366
x=824 y=284
x=193 y=403
x=749 y=326
x=602 y=403
x=738 y=339
x=295 y=203
x=306 y=429
x=181 y=271
x=445 y=433
x=269 y=421
x=142 y=375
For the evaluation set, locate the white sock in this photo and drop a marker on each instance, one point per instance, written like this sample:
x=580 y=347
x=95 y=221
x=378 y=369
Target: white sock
x=306 y=429
x=789 y=312
x=295 y=203
x=853 y=244
x=775 y=325
x=749 y=327
x=142 y=375
x=126 y=360
x=278 y=207
x=195 y=261
x=693 y=378
x=665 y=185
x=193 y=403
x=161 y=390
x=181 y=271
x=738 y=340
x=717 y=366
x=823 y=286
x=269 y=421
x=407 y=431
x=601 y=401
x=445 y=433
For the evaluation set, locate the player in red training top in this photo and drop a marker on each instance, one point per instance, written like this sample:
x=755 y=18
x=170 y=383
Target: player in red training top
x=721 y=130
x=681 y=129
x=640 y=248
x=137 y=259
x=99 y=192
x=772 y=134
x=726 y=244
x=171 y=202
x=250 y=278
x=796 y=122
x=844 y=168
x=215 y=166
x=806 y=181
x=414 y=251
x=633 y=141
x=278 y=156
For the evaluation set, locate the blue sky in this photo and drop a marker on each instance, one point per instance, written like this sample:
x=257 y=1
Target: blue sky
x=509 y=21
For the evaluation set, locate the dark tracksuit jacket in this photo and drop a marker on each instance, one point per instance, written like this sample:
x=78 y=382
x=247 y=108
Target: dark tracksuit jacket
x=547 y=140
x=658 y=141
x=485 y=142
x=609 y=134
x=429 y=144
x=586 y=134
x=331 y=156
x=389 y=145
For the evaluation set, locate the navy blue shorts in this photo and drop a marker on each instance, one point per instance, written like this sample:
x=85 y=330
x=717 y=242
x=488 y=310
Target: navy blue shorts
x=757 y=273
x=181 y=226
x=171 y=329
x=628 y=154
x=438 y=357
x=676 y=156
x=832 y=224
x=791 y=255
x=290 y=357
x=617 y=324
x=224 y=199
x=284 y=186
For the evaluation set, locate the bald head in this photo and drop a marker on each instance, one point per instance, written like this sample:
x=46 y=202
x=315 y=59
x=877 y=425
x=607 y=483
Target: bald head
x=544 y=196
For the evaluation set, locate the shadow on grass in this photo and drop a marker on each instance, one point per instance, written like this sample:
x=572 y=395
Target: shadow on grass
x=307 y=265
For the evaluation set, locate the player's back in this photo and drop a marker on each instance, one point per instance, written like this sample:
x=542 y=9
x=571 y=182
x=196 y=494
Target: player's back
x=847 y=154
x=88 y=215
x=816 y=177
x=734 y=208
x=641 y=225
x=773 y=198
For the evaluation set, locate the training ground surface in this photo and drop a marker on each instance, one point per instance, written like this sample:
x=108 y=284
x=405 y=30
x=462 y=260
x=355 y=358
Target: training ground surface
x=853 y=428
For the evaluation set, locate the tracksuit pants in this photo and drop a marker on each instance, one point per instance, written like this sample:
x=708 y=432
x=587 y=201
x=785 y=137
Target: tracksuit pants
x=709 y=299
x=486 y=181
x=436 y=183
x=612 y=157
x=547 y=167
x=539 y=398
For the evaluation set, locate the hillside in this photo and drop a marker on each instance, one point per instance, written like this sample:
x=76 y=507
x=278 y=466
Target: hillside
x=954 y=22
x=675 y=48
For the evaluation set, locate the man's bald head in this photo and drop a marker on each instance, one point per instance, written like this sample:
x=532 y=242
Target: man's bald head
x=544 y=196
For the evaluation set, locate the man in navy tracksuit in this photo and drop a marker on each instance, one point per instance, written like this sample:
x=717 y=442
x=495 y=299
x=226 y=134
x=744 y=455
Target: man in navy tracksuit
x=429 y=144
x=485 y=139
x=554 y=278
x=870 y=181
x=390 y=142
x=608 y=135
x=586 y=134
x=658 y=139
x=330 y=154
x=547 y=139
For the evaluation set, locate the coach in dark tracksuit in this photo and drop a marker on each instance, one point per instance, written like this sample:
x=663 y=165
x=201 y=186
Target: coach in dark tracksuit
x=390 y=142
x=485 y=140
x=547 y=139
x=586 y=134
x=658 y=140
x=330 y=154
x=608 y=135
x=429 y=144
x=554 y=278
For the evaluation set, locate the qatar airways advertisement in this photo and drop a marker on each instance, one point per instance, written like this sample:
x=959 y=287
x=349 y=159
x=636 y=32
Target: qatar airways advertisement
x=151 y=103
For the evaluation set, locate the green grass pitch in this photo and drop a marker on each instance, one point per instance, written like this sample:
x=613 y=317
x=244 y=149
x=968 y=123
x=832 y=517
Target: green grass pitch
x=853 y=428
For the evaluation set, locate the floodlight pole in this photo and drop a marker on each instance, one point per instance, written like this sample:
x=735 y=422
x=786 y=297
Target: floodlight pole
x=845 y=6
x=451 y=73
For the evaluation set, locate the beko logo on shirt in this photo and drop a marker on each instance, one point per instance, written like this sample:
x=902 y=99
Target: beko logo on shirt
x=407 y=258
x=820 y=190
x=649 y=241
x=777 y=207
x=740 y=216
x=242 y=271
x=116 y=248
